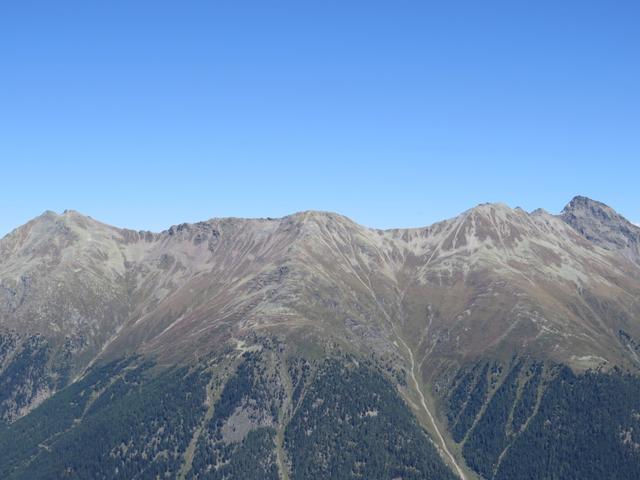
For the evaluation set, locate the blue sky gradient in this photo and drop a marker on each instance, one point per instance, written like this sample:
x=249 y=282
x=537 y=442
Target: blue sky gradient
x=397 y=113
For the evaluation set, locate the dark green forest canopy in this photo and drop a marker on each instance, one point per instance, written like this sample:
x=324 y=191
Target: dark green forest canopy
x=345 y=420
x=353 y=424
x=549 y=423
x=122 y=421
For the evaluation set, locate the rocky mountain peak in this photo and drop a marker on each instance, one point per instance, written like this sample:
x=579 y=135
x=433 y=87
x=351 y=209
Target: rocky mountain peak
x=585 y=206
x=603 y=226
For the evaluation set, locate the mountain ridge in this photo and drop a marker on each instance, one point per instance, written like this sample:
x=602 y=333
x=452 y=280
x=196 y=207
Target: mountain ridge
x=430 y=302
x=489 y=236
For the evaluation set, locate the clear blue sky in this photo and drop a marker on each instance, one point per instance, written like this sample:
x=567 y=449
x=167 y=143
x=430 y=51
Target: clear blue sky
x=397 y=113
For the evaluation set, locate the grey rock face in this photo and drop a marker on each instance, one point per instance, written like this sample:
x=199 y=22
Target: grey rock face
x=603 y=226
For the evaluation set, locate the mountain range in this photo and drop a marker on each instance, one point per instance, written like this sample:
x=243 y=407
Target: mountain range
x=497 y=344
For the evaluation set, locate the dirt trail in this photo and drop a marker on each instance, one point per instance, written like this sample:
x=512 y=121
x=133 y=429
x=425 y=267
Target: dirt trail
x=423 y=402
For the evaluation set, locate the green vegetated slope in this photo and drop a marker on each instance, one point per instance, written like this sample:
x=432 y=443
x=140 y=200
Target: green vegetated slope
x=29 y=372
x=118 y=422
x=534 y=421
x=339 y=419
x=351 y=423
x=238 y=440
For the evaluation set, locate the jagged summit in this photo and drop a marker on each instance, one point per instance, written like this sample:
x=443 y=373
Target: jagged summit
x=584 y=207
x=603 y=226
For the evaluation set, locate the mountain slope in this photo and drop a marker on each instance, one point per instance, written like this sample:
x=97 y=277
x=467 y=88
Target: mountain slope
x=421 y=307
